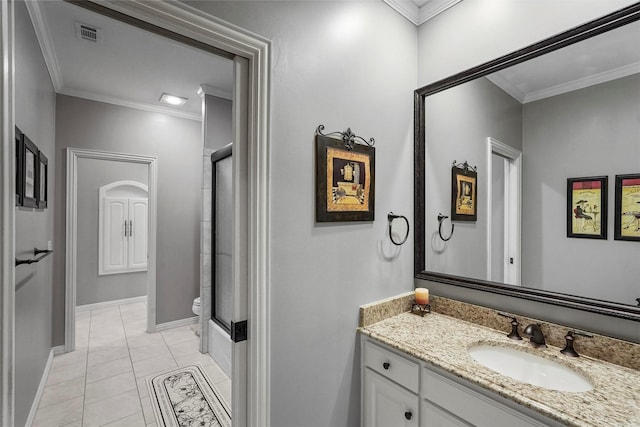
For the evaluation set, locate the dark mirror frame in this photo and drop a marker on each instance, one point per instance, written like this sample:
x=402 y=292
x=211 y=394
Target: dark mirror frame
x=601 y=25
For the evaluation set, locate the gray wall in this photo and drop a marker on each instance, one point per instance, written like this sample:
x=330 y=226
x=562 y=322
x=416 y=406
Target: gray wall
x=481 y=110
x=218 y=122
x=92 y=288
x=590 y=132
x=178 y=145
x=492 y=29
x=35 y=113
x=331 y=64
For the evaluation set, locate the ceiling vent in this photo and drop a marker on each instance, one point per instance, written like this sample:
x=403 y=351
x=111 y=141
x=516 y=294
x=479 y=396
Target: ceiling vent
x=88 y=32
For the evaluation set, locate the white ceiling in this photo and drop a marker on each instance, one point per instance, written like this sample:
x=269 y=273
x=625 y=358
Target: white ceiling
x=129 y=66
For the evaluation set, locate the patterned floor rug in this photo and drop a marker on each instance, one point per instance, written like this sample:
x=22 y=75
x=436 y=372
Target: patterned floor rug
x=186 y=397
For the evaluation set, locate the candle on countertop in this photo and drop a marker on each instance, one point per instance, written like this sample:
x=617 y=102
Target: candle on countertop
x=422 y=296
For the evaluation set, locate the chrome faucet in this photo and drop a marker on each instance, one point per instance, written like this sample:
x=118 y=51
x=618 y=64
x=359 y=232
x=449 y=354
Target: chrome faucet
x=537 y=337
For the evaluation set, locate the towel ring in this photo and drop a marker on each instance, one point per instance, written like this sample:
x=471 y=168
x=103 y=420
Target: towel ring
x=390 y=217
x=441 y=219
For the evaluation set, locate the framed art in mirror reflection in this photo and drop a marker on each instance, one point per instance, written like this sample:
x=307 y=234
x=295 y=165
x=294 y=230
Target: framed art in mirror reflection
x=587 y=207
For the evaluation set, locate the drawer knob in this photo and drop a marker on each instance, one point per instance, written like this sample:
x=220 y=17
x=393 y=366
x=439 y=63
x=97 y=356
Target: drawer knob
x=408 y=415
x=386 y=365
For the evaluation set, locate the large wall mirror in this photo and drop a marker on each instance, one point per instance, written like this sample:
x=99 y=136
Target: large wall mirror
x=567 y=107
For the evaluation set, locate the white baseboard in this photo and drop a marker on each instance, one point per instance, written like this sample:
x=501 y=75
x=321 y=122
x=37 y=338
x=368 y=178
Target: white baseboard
x=176 y=323
x=111 y=303
x=43 y=382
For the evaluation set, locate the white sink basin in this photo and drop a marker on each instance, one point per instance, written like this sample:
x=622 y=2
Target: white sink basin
x=529 y=368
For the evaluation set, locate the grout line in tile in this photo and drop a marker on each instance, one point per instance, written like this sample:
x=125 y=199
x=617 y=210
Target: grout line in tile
x=126 y=338
x=86 y=369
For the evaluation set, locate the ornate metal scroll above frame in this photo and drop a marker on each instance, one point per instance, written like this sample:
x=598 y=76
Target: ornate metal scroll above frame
x=349 y=139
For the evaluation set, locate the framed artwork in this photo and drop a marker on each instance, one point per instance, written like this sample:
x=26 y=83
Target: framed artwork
x=464 y=192
x=43 y=180
x=18 y=177
x=30 y=170
x=627 y=209
x=587 y=207
x=345 y=181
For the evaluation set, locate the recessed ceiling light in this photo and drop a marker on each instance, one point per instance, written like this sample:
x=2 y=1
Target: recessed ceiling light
x=176 y=101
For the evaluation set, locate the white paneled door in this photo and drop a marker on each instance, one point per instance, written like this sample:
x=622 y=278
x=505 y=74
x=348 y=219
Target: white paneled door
x=123 y=235
x=137 y=241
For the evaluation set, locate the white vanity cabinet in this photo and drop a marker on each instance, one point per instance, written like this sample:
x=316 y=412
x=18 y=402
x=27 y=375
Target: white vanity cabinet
x=399 y=390
x=390 y=385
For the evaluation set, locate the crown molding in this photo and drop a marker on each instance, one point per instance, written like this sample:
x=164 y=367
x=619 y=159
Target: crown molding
x=566 y=87
x=584 y=82
x=406 y=8
x=206 y=89
x=419 y=15
x=129 y=104
x=432 y=8
x=506 y=86
x=45 y=41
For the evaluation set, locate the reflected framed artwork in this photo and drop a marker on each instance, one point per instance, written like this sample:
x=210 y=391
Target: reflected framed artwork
x=627 y=208
x=464 y=191
x=345 y=181
x=587 y=207
x=30 y=172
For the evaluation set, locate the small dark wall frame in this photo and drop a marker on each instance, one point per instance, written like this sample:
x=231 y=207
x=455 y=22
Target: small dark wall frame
x=43 y=180
x=345 y=181
x=587 y=207
x=464 y=193
x=18 y=177
x=627 y=208
x=30 y=173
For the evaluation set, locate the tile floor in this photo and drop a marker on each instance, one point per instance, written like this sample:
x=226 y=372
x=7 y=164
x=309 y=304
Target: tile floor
x=102 y=383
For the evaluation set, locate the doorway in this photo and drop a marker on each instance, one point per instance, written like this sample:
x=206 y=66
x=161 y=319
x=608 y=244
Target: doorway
x=74 y=159
x=253 y=58
x=504 y=213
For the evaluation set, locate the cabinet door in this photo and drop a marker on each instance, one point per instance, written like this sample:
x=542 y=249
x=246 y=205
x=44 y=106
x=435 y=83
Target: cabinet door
x=386 y=404
x=113 y=258
x=137 y=234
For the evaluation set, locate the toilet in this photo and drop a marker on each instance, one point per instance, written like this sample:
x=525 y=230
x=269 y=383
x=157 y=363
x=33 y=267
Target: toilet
x=196 y=306
x=196 y=310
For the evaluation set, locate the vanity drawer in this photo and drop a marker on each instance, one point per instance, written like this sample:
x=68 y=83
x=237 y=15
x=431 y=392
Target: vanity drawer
x=393 y=366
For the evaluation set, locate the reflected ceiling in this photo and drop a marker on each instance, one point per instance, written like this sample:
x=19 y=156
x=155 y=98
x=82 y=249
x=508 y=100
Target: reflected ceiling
x=593 y=61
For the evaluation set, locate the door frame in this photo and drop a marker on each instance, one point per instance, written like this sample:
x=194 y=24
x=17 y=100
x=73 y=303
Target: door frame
x=513 y=194
x=71 y=235
x=7 y=215
x=186 y=21
x=192 y=23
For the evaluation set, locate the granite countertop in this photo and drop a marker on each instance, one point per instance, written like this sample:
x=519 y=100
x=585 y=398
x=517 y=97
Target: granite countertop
x=442 y=341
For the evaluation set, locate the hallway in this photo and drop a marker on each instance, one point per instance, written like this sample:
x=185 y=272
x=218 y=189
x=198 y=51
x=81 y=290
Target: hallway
x=103 y=381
